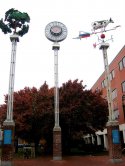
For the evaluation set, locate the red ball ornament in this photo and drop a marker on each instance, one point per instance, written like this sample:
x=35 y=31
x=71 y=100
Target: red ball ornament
x=102 y=36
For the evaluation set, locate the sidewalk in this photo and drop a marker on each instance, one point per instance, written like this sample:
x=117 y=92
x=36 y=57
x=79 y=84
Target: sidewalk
x=69 y=161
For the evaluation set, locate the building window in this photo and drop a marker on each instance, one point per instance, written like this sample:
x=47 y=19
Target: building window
x=116 y=114
x=122 y=63
x=114 y=94
x=112 y=75
x=103 y=84
x=123 y=86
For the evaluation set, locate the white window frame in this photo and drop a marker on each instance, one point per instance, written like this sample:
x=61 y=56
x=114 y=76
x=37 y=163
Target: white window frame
x=114 y=94
x=116 y=114
x=122 y=63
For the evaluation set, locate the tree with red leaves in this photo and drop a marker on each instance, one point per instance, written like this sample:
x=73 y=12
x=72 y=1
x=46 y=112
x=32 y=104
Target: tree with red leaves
x=81 y=112
x=32 y=108
x=32 y=111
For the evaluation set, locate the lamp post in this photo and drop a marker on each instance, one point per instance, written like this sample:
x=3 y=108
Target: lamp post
x=114 y=142
x=56 y=32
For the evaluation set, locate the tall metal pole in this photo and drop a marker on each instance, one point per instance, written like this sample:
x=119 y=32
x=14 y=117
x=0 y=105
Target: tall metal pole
x=56 y=90
x=114 y=143
x=57 y=146
x=8 y=124
x=104 y=47
x=14 y=39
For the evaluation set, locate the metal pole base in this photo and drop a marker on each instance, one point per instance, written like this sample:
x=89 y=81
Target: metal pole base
x=116 y=161
x=57 y=149
x=8 y=143
x=6 y=163
x=114 y=143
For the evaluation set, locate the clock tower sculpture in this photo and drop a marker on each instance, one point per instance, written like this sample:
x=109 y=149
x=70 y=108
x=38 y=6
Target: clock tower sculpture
x=56 y=32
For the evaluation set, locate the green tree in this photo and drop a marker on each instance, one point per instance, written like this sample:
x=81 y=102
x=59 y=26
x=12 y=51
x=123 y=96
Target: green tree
x=15 y=22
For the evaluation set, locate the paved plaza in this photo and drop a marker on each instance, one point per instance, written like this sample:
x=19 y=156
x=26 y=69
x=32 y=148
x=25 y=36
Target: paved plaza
x=69 y=161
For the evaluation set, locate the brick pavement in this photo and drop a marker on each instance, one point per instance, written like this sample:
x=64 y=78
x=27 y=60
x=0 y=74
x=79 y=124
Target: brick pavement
x=69 y=161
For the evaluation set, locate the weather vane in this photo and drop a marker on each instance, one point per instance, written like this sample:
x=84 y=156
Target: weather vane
x=98 y=27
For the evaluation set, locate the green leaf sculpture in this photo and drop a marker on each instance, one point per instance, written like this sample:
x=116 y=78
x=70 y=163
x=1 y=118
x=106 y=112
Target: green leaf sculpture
x=15 y=22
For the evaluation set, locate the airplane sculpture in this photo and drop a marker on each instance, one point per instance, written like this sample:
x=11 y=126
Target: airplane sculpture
x=83 y=34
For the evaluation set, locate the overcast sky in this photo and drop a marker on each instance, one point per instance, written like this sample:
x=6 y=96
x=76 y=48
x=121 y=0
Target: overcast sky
x=77 y=58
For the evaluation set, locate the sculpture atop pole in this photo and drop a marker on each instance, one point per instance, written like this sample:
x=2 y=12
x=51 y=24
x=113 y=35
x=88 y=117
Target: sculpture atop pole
x=113 y=131
x=56 y=32
x=15 y=22
x=114 y=144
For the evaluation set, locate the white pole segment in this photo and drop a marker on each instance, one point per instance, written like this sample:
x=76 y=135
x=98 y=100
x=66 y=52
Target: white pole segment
x=14 y=39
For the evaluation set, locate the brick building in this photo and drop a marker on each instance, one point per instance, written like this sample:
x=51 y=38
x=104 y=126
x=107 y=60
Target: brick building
x=117 y=78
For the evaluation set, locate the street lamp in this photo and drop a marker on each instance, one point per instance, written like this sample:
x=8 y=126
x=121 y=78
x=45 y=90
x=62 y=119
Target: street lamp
x=56 y=32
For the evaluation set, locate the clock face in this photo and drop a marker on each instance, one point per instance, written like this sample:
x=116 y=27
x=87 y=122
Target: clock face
x=56 y=31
